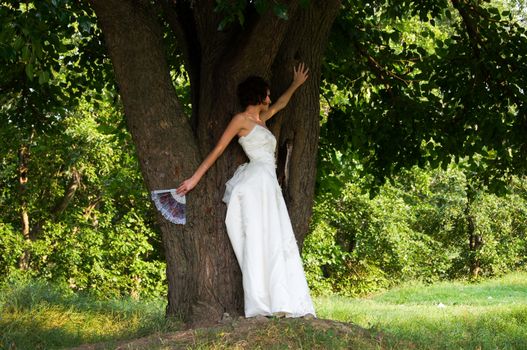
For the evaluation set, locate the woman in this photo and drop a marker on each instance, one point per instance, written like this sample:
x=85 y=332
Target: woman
x=257 y=221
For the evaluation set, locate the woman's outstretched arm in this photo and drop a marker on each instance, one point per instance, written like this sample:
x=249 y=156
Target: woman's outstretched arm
x=300 y=75
x=232 y=130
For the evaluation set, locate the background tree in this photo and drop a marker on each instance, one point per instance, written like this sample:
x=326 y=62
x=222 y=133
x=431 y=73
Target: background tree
x=95 y=233
x=434 y=82
x=50 y=54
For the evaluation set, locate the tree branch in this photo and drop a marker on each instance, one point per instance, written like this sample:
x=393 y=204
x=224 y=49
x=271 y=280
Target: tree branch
x=61 y=205
x=263 y=39
x=472 y=29
x=376 y=67
x=72 y=187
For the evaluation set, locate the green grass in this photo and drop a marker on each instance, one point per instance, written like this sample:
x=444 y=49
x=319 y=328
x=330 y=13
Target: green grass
x=35 y=315
x=488 y=315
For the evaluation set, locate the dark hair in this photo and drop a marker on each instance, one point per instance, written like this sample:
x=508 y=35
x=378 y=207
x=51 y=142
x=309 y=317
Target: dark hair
x=252 y=91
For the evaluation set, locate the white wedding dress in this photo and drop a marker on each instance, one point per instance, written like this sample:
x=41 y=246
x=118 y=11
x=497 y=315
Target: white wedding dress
x=261 y=234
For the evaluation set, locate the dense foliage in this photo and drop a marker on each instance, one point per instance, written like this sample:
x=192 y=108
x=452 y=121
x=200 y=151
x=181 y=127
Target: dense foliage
x=51 y=53
x=410 y=83
x=432 y=84
x=73 y=203
x=414 y=228
x=91 y=221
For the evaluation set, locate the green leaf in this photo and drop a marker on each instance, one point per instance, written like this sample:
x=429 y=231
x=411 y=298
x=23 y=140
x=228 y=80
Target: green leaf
x=280 y=10
x=43 y=77
x=29 y=71
x=84 y=24
x=25 y=53
x=241 y=18
x=19 y=43
x=494 y=10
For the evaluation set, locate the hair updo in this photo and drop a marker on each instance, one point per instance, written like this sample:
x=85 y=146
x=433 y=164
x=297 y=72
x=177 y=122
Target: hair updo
x=252 y=91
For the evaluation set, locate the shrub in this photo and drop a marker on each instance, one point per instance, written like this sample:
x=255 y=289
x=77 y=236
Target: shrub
x=414 y=228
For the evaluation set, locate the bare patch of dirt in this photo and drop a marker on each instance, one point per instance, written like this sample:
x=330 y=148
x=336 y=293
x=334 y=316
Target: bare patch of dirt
x=261 y=333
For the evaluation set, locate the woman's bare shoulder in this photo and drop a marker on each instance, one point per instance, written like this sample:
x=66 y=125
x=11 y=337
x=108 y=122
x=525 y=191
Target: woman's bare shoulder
x=239 y=117
x=241 y=120
x=242 y=123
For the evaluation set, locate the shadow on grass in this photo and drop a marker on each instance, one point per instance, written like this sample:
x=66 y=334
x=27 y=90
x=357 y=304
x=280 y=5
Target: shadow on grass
x=25 y=296
x=37 y=315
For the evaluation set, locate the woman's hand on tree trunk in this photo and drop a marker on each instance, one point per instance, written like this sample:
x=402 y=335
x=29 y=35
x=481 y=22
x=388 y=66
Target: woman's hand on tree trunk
x=300 y=74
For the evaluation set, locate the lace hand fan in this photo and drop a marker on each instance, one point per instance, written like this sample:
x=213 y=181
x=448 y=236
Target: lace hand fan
x=170 y=205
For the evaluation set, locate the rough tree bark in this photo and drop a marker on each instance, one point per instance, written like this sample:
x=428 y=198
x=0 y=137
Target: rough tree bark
x=203 y=275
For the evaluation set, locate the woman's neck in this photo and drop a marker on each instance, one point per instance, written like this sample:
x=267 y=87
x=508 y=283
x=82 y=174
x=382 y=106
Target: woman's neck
x=253 y=113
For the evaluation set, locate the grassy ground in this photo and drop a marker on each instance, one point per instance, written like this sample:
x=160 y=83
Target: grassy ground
x=488 y=315
x=34 y=315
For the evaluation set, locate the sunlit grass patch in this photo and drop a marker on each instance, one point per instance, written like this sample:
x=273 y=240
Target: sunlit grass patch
x=507 y=289
x=488 y=315
x=36 y=315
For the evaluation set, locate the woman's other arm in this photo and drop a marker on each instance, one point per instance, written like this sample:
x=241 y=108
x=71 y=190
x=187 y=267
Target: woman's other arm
x=300 y=75
x=232 y=130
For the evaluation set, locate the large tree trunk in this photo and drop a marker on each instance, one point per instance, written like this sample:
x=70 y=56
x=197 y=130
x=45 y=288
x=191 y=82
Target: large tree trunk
x=203 y=275
x=165 y=144
x=298 y=128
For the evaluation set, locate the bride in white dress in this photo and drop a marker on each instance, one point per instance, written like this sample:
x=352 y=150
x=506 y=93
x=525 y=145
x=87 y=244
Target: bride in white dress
x=257 y=220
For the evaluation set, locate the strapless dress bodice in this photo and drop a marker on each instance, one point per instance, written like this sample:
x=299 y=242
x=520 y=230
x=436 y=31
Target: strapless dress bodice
x=259 y=145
